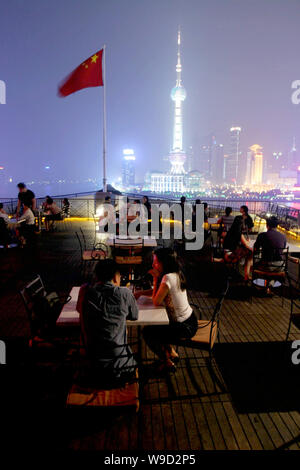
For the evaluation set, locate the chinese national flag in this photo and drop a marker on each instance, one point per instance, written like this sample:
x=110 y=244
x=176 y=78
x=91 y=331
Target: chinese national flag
x=87 y=74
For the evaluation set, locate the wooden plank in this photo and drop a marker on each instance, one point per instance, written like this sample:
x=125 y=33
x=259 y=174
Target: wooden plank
x=180 y=427
x=145 y=434
x=250 y=432
x=237 y=429
x=157 y=426
x=202 y=426
x=215 y=431
x=227 y=432
x=264 y=437
x=169 y=427
x=291 y=428
x=192 y=431
x=271 y=428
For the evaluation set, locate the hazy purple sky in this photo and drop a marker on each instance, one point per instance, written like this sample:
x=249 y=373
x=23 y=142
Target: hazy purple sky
x=239 y=60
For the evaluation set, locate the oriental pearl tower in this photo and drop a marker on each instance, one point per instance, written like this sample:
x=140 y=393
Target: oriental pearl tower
x=177 y=155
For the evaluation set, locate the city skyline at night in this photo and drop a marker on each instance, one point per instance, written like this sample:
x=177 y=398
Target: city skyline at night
x=234 y=79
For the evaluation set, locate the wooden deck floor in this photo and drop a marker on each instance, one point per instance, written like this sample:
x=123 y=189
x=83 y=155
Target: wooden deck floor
x=253 y=404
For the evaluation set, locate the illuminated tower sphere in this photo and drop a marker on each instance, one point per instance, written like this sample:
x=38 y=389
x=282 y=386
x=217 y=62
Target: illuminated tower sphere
x=178 y=94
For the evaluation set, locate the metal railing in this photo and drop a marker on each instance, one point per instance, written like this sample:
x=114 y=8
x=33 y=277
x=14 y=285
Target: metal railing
x=85 y=205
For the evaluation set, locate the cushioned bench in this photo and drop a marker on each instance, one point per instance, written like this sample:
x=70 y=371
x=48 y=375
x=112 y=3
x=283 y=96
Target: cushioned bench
x=84 y=395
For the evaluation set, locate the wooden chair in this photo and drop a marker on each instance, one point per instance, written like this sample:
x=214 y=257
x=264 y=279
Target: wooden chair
x=208 y=330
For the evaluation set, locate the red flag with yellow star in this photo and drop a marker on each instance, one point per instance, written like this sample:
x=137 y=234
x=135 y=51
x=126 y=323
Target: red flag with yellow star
x=87 y=74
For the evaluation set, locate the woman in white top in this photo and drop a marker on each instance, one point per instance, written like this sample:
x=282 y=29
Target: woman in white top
x=27 y=225
x=169 y=289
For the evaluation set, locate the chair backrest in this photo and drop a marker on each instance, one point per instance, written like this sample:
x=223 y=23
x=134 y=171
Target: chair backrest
x=100 y=251
x=80 y=244
x=31 y=291
x=223 y=292
x=276 y=258
x=83 y=238
x=216 y=314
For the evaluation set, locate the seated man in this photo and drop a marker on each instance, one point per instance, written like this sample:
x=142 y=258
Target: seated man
x=105 y=309
x=272 y=243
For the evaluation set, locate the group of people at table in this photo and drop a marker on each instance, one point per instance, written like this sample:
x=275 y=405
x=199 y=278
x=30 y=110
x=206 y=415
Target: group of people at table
x=234 y=238
x=105 y=306
x=23 y=226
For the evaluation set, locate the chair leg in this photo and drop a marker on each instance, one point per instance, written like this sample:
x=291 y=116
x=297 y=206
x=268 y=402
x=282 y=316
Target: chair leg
x=289 y=328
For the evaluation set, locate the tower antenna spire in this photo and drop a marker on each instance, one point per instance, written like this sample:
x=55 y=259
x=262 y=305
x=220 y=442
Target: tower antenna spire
x=178 y=66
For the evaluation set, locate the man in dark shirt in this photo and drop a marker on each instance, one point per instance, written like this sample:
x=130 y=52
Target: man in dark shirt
x=106 y=307
x=25 y=196
x=272 y=243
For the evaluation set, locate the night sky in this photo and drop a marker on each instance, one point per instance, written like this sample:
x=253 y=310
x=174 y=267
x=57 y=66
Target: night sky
x=239 y=60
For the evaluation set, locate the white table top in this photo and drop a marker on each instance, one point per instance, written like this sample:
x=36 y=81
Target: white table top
x=148 y=313
x=147 y=242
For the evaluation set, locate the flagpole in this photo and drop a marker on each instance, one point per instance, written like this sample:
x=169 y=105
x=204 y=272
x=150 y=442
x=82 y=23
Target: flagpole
x=104 y=122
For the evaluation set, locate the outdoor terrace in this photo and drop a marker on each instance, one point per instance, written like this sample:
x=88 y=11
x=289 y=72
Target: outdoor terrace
x=254 y=404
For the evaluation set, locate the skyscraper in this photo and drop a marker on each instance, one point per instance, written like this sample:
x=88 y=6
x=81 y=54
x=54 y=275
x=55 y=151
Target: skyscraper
x=234 y=155
x=254 y=165
x=128 y=168
x=217 y=162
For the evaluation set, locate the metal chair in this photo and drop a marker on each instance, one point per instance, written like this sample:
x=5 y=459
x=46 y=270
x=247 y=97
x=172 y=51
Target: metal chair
x=272 y=270
x=208 y=330
x=41 y=328
x=294 y=317
x=97 y=252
